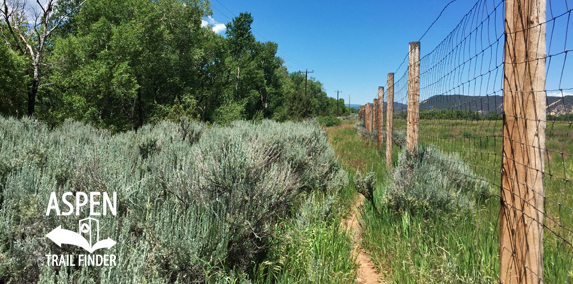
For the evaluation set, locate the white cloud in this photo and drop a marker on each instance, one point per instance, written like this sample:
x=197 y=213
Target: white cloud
x=558 y=94
x=217 y=27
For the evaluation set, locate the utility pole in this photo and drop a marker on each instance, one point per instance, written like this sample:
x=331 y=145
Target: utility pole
x=337 y=101
x=305 y=78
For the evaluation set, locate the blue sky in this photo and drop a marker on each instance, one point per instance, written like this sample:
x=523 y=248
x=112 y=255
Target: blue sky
x=350 y=45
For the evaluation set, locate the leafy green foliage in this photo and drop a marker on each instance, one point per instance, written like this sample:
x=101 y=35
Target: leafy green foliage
x=448 y=114
x=13 y=82
x=121 y=64
x=195 y=203
x=561 y=117
x=329 y=121
x=228 y=113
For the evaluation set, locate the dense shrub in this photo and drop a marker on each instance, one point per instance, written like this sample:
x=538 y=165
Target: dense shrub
x=329 y=121
x=193 y=202
x=430 y=180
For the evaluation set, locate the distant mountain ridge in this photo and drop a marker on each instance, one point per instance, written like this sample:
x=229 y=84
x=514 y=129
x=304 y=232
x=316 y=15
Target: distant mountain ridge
x=397 y=106
x=485 y=104
x=356 y=106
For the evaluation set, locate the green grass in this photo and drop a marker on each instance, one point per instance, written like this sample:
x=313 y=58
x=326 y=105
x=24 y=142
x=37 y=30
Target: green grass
x=356 y=153
x=313 y=248
x=434 y=248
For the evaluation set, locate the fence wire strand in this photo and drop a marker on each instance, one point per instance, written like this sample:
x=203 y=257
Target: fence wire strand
x=461 y=110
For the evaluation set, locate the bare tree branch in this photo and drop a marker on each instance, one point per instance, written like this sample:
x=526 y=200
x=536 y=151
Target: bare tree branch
x=40 y=4
x=14 y=13
x=21 y=35
x=7 y=13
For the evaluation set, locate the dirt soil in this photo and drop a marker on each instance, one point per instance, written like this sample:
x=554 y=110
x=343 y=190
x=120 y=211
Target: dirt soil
x=367 y=273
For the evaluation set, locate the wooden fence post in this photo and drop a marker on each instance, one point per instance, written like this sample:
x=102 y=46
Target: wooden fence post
x=374 y=115
x=379 y=127
x=389 y=119
x=412 y=133
x=368 y=117
x=373 y=125
x=524 y=95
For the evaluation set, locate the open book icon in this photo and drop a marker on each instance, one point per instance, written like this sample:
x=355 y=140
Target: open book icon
x=62 y=236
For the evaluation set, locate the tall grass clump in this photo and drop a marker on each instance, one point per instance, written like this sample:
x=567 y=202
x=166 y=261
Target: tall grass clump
x=312 y=247
x=196 y=204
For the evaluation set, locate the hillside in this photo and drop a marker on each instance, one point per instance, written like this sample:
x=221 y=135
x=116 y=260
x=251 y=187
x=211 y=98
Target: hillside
x=355 y=106
x=555 y=105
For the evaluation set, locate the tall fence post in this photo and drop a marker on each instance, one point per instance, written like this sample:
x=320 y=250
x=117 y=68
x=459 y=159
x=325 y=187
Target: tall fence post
x=374 y=115
x=379 y=127
x=522 y=193
x=374 y=118
x=412 y=133
x=368 y=117
x=389 y=119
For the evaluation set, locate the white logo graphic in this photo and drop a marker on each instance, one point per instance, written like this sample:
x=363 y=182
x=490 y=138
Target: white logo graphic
x=62 y=236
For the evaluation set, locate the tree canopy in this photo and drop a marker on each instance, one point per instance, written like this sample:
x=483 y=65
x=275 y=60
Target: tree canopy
x=119 y=64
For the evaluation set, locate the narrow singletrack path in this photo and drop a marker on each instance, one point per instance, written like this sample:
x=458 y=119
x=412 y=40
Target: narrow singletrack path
x=349 y=147
x=367 y=273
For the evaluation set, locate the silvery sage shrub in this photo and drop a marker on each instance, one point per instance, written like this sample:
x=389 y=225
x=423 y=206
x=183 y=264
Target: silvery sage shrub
x=430 y=180
x=195 y=203
x=366 y=185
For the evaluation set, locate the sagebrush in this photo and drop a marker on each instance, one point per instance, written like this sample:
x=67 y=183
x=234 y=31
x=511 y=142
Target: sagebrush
x=431 y=180
x=195 y=203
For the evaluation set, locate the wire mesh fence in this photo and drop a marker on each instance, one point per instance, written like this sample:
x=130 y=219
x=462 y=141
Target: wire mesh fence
x=496 y=92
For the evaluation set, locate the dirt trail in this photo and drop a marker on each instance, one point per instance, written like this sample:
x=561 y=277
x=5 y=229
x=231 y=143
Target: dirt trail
x=367 y=273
